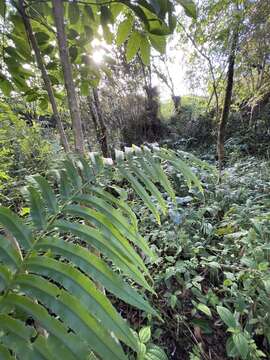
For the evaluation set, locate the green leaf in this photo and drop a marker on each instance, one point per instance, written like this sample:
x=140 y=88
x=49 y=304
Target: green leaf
x=142 y=351
x=172 y=21
x=98 y=241
x=119 y=221
x=60 y=273
x=73 y=53
x=64 y=185
x=89 y=12
x=73 y=34
x=145 y=334
x=8 y=253
x=140 y=190
x=179 y=164
x=124 y=30
x=189 y=7
x=145 y=51
x=77 y=283
x=73 y=173
x=231 y=348
x=149 y=185
x=37 y=210
x=5 y=354
x=73 y=12
x=108 y=35
x=241 y=344
x=5 y=277
x=47 y=194
x=266 y=283
x=122 y=205
x=154 y=352
x=43 y=104
x=205 y=309
x=86 y=170
x=73 y=314
x=116 y=242
x=76 y=349
x=58 y=348
x=226 y=316
x=105 y=15
x=15 y=226
x=19 y=338
x=5 y=85
x=84 y=88
x=158 y=42
x=98 y=270
x=42 y=37
x=3 y=8
x=88 y=32
x=154 y=168
x=133 y=45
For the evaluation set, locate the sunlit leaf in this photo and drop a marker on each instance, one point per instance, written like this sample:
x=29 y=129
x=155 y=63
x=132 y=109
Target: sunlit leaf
x=189 y=7
x=133 y=45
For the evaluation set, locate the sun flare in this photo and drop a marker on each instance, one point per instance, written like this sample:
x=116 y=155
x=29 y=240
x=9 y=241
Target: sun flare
x=98 y=56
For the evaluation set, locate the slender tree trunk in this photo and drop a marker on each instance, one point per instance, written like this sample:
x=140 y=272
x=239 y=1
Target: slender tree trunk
x=99 y=125
x=102 y=127
x=227 y=101
x=261 y=73
x=176 y=103
x=45 y=76
x=94 y=115
x=74 y=108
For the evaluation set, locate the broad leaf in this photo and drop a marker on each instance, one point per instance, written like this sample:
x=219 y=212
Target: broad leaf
x=241 y=345
x=189 y=7
x=133 y=45
x=145 y=51
x=124 y=30
x=226 y=316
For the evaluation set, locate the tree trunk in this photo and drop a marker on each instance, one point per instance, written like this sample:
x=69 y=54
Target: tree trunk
x=45 y=76
x=74 y=109
x=103 y=141
x=94 y=115
x=97 y=117
x=227 y=102
x=176 y=103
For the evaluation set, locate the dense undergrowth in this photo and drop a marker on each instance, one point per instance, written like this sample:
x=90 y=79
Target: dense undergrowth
x=212 y=273
x=78 y=77
x=211 y=276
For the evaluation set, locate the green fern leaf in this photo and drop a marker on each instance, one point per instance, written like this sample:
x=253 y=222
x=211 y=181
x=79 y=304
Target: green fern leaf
x=75 y=282
x=15 y=226
x=37 y=210
x=47 y=194
x=8 y=253
x=99 y=270
x=52 y=281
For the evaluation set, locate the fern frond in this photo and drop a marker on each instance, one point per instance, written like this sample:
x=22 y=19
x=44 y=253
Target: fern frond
x=48 y=280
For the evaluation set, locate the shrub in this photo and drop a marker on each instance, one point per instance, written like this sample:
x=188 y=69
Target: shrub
x=23 y=150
